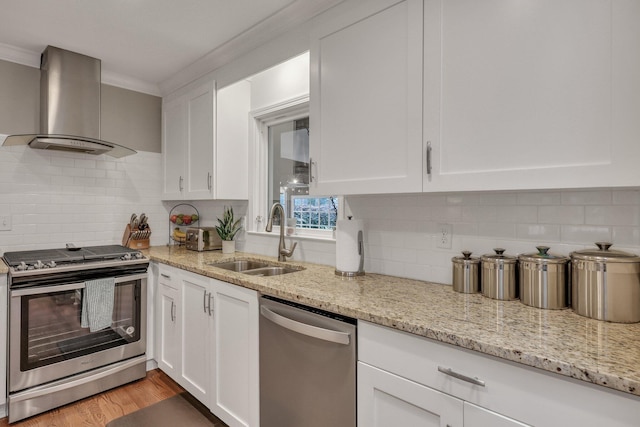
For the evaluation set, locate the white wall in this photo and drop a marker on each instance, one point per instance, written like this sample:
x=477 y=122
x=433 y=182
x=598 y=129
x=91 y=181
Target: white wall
x=55 y=198
x=288 y=80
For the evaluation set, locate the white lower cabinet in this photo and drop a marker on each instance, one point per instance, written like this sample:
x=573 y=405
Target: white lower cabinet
x=207 y=341
x=385 y=400
x=234 y=369
x=197 y=322
x=405 y=379
x=167 y=326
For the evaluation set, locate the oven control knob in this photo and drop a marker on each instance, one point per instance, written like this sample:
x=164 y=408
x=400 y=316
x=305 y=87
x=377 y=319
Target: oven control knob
x=51 y=264
x=126 y=257
x=38 y=265
x=22 y=266
x=138 y=255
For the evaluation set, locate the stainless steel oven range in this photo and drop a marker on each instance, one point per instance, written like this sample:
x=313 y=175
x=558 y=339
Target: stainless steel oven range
x=53 y=357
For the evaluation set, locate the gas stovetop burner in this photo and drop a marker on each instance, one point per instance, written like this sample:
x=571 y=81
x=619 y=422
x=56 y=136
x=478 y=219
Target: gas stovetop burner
x=55 y=258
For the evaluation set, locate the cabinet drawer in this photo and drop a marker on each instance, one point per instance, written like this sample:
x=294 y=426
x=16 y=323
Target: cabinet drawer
x=168 y=276
x=526 y=394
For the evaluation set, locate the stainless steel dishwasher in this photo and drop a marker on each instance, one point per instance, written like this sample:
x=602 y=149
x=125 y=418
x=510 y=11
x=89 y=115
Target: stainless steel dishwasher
x=307 y=366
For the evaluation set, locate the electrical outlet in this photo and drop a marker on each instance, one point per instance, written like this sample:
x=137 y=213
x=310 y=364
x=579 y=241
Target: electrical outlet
x=444 y=236
x=5 y=222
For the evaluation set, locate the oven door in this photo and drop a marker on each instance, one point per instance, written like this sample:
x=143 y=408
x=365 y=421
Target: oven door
x=47 y=342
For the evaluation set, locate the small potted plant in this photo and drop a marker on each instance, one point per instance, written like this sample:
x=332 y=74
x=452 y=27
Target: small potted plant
x=227 y=229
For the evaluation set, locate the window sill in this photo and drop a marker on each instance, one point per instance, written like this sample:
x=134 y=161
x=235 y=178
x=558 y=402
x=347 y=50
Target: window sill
x=276 y=234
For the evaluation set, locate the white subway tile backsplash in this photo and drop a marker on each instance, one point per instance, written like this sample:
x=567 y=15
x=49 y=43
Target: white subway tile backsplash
x=58 y=197
x=561 y=214
x=613 y=215
x=565 y=220
x=595 y=197
x=626 y=197
x=521 y=214
x=499 y=199
x=498 y=230
x=539 y=198
x=482 y=213
x=628 y=236
x=585 y=233
x=538 y=232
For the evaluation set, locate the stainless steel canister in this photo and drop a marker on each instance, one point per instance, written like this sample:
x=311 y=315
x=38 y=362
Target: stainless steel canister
x=544 y=279
x=498 y=278
x=606 y=284
x=466 y=273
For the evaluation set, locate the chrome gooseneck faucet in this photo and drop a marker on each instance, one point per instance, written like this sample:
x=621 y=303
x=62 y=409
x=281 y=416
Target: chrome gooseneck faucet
x=283 y=252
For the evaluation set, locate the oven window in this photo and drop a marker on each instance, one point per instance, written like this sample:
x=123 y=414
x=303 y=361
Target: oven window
x=51 y=331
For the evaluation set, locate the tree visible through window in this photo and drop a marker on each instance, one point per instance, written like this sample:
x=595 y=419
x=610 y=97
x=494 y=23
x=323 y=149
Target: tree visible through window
x=289 y=177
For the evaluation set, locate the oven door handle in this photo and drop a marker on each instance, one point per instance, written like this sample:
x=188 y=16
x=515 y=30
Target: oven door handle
x=67 y=287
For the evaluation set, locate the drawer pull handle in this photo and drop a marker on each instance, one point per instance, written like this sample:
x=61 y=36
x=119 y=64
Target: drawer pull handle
x=454 y=374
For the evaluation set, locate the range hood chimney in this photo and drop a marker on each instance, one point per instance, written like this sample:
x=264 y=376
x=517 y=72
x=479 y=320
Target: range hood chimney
x=69 y=106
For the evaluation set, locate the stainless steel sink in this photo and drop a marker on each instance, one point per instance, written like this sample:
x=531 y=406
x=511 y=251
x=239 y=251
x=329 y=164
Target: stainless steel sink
x=240 y=265
x=270 y=271
x=255 y=268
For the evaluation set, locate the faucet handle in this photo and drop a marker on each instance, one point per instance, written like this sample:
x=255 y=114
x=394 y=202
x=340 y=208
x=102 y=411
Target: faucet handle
x=289 y=252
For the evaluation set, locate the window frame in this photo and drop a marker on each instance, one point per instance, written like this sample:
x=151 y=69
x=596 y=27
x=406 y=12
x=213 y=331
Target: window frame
x=260 y=120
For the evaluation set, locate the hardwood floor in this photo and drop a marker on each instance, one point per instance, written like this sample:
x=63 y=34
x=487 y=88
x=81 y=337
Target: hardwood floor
x=100 y=409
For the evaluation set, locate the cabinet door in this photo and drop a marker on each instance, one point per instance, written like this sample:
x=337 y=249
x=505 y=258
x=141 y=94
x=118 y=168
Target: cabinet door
x=386 y=400
x=232 y=141
x=531 y=94
x=475 y=416
x=174 y=131
x=200 y=142
x=167 y=330
x=197 y=321
x=235 y=396
x=366 y=100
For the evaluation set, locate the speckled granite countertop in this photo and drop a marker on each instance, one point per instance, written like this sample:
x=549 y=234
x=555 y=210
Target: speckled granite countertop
x=4 y=269
x=559 y=341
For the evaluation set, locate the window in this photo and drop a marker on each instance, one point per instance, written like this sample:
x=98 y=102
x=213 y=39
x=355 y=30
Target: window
x=282 y=173
x=288 y=175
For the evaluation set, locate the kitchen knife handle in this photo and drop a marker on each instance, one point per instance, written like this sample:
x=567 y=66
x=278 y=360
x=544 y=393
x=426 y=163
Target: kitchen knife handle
x=428 y=157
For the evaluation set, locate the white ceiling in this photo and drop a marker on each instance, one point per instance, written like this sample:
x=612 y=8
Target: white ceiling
x=144 y=41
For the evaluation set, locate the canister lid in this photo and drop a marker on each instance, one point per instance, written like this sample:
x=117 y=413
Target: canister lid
x=544 y=257
x=466 y=258
x=499 y=257
x=603 y=253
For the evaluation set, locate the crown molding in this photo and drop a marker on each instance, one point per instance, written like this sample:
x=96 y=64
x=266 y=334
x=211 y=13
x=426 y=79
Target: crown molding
x=19 y=56
x=32 y=59
x=277 y=25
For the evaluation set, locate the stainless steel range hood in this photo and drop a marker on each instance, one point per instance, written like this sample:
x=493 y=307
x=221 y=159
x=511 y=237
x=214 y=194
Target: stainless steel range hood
x=69 y=106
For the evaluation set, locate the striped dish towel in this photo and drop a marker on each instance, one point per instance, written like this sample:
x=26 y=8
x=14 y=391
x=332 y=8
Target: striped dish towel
x=97 y=304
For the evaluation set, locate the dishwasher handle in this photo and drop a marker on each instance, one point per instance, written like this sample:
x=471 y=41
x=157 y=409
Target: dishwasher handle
x=306 y=329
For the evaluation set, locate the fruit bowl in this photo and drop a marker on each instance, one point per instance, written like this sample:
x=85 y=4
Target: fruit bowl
x=181 y=217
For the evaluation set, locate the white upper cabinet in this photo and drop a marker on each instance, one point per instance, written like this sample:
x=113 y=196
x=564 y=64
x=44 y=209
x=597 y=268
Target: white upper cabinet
x=188 y=144
x=463 y=95
x=531 y=94
x=174 y=128
x=232 y=141
x=366 y=100
x=198 y=162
